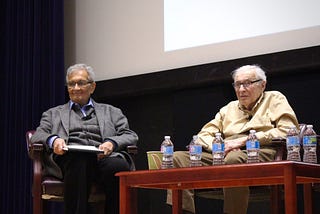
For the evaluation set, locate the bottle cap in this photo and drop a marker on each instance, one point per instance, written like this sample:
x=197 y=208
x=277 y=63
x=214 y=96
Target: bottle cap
x=309 y=126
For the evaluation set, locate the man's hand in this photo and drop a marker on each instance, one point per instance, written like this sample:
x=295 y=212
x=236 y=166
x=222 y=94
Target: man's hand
x=107 y=147
x=58 y=145
x=234 y=145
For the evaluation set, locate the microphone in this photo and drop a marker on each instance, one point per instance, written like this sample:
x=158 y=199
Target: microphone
x=88 y=116
x=249 y=117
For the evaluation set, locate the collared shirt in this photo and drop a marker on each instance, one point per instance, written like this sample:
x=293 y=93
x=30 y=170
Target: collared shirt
x=271 y=117
x=83 y=108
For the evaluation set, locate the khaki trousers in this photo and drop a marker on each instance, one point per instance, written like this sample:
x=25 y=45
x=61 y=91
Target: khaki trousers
x=235 y=198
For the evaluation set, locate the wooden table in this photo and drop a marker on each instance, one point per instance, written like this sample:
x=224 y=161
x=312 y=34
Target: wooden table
x=288 y=173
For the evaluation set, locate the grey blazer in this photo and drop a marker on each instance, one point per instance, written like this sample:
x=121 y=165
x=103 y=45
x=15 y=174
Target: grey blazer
x=113 y=125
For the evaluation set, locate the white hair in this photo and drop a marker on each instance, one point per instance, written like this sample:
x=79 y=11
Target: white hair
x=260 y=74
x=77 y=67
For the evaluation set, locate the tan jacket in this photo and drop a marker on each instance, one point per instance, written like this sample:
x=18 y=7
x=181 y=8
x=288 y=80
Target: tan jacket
x=271 y=117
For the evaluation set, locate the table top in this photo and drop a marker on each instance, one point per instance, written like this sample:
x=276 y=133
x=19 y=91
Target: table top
x=255 y=174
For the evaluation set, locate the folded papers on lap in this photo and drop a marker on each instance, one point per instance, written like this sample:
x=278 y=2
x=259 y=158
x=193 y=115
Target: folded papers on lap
x=82 y=148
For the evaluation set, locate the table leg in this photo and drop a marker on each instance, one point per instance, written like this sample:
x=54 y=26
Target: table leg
x=290 y=190
x=275 y=199
x=176 y=201
x=307 y=196
x=128 y=198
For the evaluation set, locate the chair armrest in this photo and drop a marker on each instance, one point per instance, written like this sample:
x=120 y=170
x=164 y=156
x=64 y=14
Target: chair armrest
x=280 y=145
x=132 y=150
x=278 y=141
x=35 y=151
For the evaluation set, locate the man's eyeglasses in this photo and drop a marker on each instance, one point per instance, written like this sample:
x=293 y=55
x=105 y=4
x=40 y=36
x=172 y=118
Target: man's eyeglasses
x=81 y=84
x=245 y=84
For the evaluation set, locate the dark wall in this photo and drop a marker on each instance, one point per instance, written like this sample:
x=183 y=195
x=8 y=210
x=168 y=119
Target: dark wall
x=180 y=101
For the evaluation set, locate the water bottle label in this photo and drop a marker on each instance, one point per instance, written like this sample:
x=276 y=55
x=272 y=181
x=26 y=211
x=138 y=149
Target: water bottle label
x=195 y=149
x=293 y=141
x=168 y=150
x=309 y=140
x=252 y=144
x=217 y=147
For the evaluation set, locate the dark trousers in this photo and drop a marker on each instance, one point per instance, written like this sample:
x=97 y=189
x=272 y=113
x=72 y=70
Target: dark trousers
x=80 y=171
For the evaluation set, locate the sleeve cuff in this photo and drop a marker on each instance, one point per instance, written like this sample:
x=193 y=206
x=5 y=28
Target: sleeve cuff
x=51 y=140
x=115 y=145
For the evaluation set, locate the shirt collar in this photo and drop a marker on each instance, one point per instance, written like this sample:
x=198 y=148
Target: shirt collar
x=90 y=103
x=255 y=105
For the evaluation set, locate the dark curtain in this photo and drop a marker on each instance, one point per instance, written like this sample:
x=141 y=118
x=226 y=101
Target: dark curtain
x=32 y=80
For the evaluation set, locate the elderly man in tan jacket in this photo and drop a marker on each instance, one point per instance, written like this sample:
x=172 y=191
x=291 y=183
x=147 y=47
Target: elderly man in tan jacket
x=267 y=112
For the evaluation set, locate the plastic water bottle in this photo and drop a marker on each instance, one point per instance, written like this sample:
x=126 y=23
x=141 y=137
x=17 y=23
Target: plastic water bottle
x=253 y=147
x=195 y=151
x=309 y=145
x=167 y=152
x=293 y=144
x=218 y=150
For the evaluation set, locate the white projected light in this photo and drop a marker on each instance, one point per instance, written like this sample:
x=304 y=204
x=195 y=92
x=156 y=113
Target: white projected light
x=190 y=23
x=122 y=38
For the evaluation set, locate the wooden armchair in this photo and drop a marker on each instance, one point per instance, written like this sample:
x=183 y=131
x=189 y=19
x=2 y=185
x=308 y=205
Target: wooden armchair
x=50 y=188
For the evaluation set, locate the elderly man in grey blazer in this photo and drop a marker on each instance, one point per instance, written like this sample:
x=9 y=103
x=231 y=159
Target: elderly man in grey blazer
x=82 y=121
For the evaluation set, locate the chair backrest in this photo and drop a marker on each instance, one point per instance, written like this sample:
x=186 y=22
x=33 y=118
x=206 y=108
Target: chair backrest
x=302 y=128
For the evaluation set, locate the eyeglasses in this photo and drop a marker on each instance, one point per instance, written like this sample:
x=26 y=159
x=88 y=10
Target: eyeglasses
x=245 y=84
x=81 y=84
